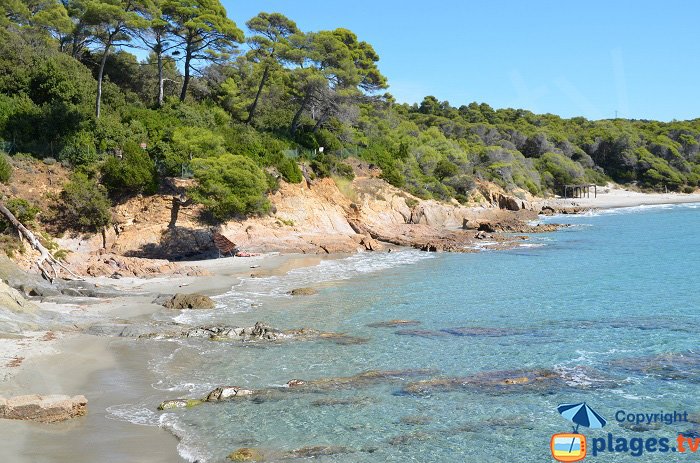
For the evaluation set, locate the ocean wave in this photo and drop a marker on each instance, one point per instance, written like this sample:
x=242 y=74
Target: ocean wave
x=133 y=413
x=187 y=446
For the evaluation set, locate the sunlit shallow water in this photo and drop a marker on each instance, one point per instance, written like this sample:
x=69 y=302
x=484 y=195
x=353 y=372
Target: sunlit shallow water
x=585 y=303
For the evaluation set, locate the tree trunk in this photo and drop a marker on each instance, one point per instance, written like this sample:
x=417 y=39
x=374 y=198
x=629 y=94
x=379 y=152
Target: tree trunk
x=321 y=120
x=100 y=75
x=253 y=107
x=297 y=116
x=178 y=202
x=186 y=79
x=160 y=79
x=45 y=256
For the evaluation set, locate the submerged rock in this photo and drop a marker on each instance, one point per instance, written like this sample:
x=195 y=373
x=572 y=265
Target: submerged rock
x=319 y=451
x=364 y=379
x=393 y=323
x=246 y=454
x=669 y=366
x=479 y=331
x=43 y=408
x=185 y=301
x=416 y=420
x=303 y=292
x=492 y=381
x=541 y=381
x=332 y=402
x=407 y=439
x=421 y=333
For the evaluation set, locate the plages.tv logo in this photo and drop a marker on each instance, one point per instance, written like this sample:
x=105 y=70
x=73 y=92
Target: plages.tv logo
x=570 y=447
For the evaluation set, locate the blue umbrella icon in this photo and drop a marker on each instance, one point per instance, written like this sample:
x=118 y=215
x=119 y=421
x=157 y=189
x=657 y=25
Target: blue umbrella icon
x=581 y=415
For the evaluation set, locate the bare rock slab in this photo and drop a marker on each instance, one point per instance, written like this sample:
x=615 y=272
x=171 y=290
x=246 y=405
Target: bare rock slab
x=43 y=408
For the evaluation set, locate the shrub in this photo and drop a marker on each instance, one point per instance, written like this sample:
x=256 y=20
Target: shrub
x=5 y=169
x=79 y=150
x=444 y=169
x=230 y=185
x=133 y=174
x=289 y=170
x=84 y=204
x=23 y=211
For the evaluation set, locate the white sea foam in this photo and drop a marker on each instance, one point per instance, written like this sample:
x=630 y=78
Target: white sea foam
x=187 y=447
x=134 y=413
x=244 y=295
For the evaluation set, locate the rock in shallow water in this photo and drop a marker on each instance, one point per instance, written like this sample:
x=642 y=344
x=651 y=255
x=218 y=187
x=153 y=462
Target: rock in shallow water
x=303 y=292
x=542 y=381
x=246 y=454
x=43 y=408
x=185 y=301
x=481 y=331
x=668 y=366
x=393 y=323
x=227 y=392
x=179 y=403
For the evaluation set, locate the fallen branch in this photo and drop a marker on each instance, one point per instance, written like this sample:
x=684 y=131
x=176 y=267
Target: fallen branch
x=45 y=257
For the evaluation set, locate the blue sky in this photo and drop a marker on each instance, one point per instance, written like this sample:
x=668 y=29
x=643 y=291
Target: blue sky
x=587 y=58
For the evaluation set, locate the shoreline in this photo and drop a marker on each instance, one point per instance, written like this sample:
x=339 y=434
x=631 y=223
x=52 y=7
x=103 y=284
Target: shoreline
x=615 y=198
x=111 y=371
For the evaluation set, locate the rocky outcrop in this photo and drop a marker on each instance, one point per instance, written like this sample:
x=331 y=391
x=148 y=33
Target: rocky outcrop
x=115 y=266
x=12 y=300
x=43 y=408
x=185 y=301
x=259 y=331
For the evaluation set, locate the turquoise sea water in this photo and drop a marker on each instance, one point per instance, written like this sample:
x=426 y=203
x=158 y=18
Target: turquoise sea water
x=608 y=306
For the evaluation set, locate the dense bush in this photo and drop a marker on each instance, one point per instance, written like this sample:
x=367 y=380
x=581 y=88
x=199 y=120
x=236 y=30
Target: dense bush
x=134 y=173
x=83 y=204
x=230 y=185
x=5 y=168
x=289 y=170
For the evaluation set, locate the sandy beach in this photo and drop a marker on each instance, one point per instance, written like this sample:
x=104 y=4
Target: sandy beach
x=614 y=197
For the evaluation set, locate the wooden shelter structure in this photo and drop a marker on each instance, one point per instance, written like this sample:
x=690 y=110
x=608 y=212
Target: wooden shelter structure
x=580 y=190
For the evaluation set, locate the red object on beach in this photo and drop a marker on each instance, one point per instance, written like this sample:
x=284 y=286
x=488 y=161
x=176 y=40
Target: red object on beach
x=246 y=254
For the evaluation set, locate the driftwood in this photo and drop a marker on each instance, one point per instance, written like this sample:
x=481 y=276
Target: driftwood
x=45 y=258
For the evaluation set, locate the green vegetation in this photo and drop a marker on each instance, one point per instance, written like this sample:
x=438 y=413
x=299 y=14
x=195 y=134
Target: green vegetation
x=230 y=185
x=24 y=211
x=5 y=168
x=134 y=173
x=84 y=205
x=239 y=117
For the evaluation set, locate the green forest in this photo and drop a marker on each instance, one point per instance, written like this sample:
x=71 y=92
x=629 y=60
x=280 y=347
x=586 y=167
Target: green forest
x=129 y=92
